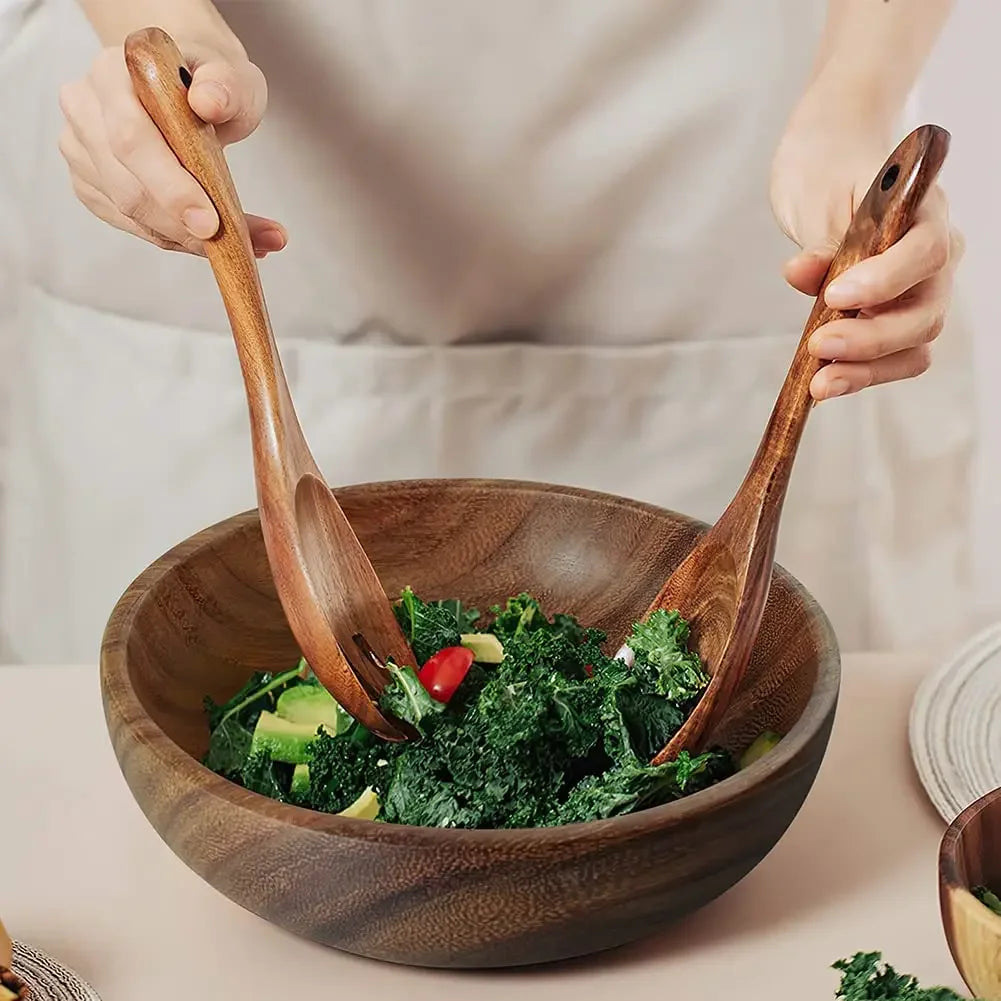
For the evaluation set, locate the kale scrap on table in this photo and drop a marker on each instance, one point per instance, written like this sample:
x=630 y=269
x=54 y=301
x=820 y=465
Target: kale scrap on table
x=865 y=978
x=558 y=732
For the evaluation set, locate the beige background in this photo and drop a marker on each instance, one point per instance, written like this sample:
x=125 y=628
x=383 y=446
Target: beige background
x=960 y=92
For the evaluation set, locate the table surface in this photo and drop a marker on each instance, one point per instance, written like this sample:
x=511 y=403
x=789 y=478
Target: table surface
x=85 y=878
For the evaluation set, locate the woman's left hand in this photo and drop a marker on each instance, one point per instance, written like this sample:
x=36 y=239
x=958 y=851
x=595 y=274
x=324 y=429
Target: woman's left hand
x=819 y=176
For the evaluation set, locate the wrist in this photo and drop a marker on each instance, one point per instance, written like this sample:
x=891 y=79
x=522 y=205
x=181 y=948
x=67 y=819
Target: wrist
x=191 y=21
x=847 y=104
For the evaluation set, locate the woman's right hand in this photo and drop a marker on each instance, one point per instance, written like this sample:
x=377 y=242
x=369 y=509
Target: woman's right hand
x=122 y=168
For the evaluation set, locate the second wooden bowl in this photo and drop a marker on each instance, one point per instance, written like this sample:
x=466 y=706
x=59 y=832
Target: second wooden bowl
x=970 y=856
x=204 y=616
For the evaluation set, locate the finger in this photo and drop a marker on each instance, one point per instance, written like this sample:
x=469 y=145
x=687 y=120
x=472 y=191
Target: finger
x=266 y=235
x=913 y=321
x=232 y=99
x=843 y=378
x=77 y=158
x=805 y=272
x=102 y=207
x=920 y=253
x=138 y=145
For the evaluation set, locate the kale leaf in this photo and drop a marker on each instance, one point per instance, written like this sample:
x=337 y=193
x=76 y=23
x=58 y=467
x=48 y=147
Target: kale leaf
x=865 y=978
x=269 y=778
x=431 y=626
x=260 y=692
x=988 y=898
x=661 y=648
x=407 y=699
x=341 y=768
x=232 y=724
x=229 y=745
x=635 y=786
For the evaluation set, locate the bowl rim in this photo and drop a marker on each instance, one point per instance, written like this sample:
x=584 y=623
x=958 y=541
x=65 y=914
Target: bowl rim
x=117 y=687
x=950 y=850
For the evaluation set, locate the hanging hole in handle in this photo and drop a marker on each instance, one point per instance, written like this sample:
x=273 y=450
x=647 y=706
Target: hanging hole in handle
x=185 y=75
x=890 y=177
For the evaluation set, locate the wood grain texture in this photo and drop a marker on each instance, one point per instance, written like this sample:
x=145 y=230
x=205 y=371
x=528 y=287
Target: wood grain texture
x=722 y=586
x=970 y=855
x=200 y=619
x=324 y=578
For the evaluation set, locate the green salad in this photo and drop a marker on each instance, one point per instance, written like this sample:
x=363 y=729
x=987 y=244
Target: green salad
x=524 y=721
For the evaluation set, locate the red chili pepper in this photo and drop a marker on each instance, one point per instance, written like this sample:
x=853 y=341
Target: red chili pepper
x=444 y=672
x=589 y=670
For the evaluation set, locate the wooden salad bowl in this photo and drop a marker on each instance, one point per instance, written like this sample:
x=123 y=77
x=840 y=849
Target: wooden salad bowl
x=970 y=856
x=204 y=616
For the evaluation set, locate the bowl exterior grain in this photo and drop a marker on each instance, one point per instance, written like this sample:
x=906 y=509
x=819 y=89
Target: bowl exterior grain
x=970 y=855
x=205 y=615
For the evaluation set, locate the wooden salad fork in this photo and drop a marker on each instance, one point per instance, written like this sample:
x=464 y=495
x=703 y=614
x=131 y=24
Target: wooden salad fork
x=722 y=585
x=326 y=584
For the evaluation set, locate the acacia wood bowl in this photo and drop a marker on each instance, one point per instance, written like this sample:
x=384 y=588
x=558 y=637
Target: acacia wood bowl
x=969 y=856
x=205 y=615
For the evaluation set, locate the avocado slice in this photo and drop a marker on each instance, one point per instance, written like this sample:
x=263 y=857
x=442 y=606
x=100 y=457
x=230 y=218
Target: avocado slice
x=6 y=994
x=283 y=740
x=486 y=647
x=314 y=705
x=761 y=746
x=365 y=807
x=300 y=780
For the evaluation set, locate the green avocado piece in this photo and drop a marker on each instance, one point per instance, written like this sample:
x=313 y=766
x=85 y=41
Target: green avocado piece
x=486 y=647
x=283 y=740
x=314 y=705
x=300 y=780
x=761 y=746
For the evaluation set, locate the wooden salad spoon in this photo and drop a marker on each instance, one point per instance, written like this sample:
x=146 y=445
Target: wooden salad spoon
x=722 y=585
x=327 y=587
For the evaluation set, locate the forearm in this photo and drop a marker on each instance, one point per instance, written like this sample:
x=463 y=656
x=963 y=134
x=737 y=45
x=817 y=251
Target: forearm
x=872 y=51
x=195 y=20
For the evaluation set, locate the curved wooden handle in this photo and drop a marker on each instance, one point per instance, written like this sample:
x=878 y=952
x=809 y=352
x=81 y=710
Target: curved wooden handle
x=884 y=215
x=161 y=78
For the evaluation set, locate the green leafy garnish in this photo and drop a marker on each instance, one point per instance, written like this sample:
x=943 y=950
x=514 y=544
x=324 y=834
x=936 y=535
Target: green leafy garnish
x=431 y=626
x=661 y=648
x=865 y=978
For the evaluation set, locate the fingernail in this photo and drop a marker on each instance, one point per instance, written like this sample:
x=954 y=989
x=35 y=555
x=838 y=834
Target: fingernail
x=830 y=347
x=270 y=239
x=200 y=223
x=836 y=387
x=843 y=292
x=214 y=92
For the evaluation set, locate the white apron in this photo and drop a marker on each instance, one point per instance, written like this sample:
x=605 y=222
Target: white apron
x=527 y=240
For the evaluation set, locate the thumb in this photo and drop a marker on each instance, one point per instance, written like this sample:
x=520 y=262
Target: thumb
x=805 y=272
x=230 y=96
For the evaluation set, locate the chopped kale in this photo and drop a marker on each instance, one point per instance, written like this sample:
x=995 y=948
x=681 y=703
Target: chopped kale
x=662 y=655
x=431 y=626
x=558 y=732
x=232 y=724
x=229 y=745
x=865 y=978
x=269 y=778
